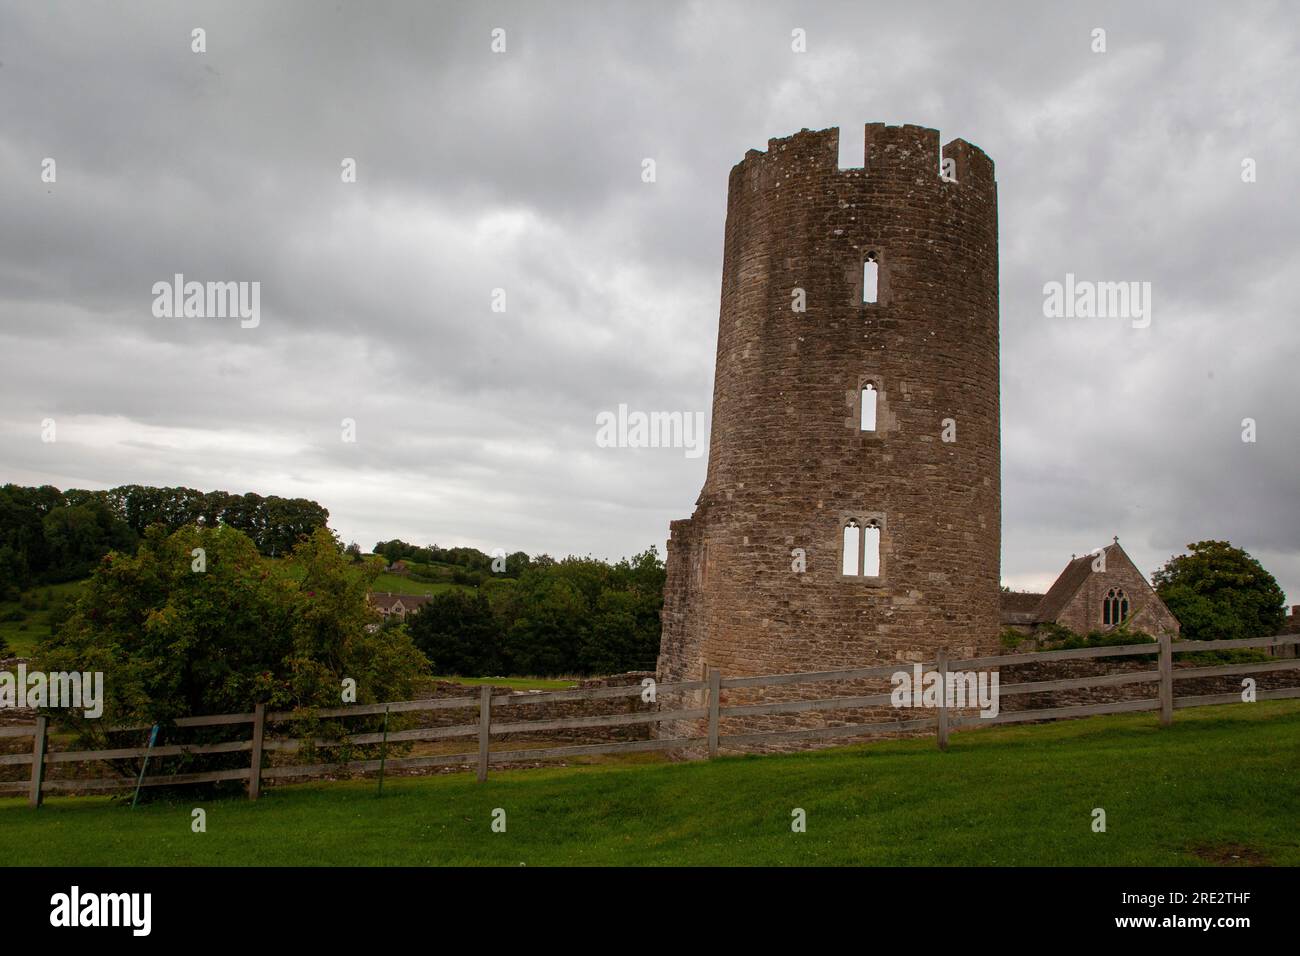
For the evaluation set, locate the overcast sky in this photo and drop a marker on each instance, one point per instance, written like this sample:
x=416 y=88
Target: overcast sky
x=522 y=170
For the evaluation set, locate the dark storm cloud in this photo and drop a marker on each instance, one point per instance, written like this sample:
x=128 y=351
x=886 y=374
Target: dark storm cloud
x=522 y=171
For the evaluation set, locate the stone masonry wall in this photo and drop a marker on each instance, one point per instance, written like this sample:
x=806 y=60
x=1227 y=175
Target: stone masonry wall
x=788 y=463
x=1083 y=613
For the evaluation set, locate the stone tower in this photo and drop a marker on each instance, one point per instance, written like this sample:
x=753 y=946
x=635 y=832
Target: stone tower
x=795 y=465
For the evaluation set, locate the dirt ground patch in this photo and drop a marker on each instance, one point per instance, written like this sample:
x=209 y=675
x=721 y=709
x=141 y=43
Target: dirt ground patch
x=1229 y=854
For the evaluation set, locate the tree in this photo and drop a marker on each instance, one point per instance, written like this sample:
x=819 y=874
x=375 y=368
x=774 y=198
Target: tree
x=459 y=634
x=1219 y=592
x=177 y=638
x=22 y=533
x=78 y=535
x=550 y=627
x=611 y=643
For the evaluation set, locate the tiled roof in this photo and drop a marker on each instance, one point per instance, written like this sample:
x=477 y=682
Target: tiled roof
x=1065 y=587
x=384 y=600
x=1019 y=602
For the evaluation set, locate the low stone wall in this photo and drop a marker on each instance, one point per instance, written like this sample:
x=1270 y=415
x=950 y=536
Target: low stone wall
x=1012 y=674
x=1074 y=670
x=549 y=710
x=884 y=714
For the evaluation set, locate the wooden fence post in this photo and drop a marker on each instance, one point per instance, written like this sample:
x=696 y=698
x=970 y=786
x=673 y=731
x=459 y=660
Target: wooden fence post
x=38 y=761
x=943 y=698
x=715 y=692
x=255 y=766
x=484 y=729
x=1166 y=680
x=383 y=753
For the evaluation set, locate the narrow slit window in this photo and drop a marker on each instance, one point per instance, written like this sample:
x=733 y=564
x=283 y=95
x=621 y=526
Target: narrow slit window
x=852 y=547
x=870 y=279
x=868 y=407
x=871 y=549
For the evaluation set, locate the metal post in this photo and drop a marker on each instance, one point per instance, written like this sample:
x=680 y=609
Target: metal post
x=153 y=738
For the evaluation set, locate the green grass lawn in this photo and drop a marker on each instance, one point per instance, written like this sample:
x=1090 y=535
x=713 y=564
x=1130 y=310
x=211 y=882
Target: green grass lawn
x=1219 y=783
x=22 y=635
x=397 y=584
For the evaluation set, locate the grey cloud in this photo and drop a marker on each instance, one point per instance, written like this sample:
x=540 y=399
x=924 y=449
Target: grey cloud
x=522 y=171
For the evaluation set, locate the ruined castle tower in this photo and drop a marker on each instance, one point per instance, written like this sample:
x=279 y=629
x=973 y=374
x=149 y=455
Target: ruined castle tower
x=892 y=510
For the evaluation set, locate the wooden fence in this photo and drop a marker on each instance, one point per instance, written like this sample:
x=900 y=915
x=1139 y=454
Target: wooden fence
x=497 y=715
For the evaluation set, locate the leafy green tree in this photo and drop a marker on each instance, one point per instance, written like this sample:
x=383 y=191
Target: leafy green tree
x=550 y=627
x=78 y=535
x=611 y=643
x=13 y=573
x=22 y=533
x=460 y=634
x=1219 y=592
x=174 y=641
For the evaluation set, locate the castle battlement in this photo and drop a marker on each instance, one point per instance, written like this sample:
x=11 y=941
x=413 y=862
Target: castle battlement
x=906 y=153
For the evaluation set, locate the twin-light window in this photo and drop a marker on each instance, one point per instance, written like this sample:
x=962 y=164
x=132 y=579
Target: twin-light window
x=861 y=552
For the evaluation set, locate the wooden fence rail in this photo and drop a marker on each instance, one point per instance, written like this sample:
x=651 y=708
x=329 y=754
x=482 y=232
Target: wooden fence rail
x=711 y=711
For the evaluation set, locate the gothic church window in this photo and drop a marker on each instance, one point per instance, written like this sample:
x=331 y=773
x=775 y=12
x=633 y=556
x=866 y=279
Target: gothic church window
x=1114 y=609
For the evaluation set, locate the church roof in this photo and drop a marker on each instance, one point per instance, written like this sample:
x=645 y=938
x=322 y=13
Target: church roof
x=1064 y=588
x=1018 y=607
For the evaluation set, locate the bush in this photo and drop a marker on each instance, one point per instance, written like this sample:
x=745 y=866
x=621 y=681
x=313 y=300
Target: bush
x=59 y=614
x=1010 y=638
x=1056 y=637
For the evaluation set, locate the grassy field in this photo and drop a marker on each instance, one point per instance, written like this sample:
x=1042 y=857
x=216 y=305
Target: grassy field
x=397 y=584
x=1218 y=787
x=22 y=635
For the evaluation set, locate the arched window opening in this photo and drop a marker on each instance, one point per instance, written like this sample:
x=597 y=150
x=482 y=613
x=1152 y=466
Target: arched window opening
x=1114 y=608
x=871 y=549
x=852 y=547
x=868 y=407
x=870 y=279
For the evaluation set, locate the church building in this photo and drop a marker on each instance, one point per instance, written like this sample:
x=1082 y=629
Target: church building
x=1097 y=591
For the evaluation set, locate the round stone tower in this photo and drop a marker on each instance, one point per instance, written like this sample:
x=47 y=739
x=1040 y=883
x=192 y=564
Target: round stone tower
x=851 y=512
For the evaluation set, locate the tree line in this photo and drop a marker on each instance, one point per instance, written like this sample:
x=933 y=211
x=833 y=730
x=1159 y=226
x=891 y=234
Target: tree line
x=572 y=616
x=469 y=559
x=48 y=535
